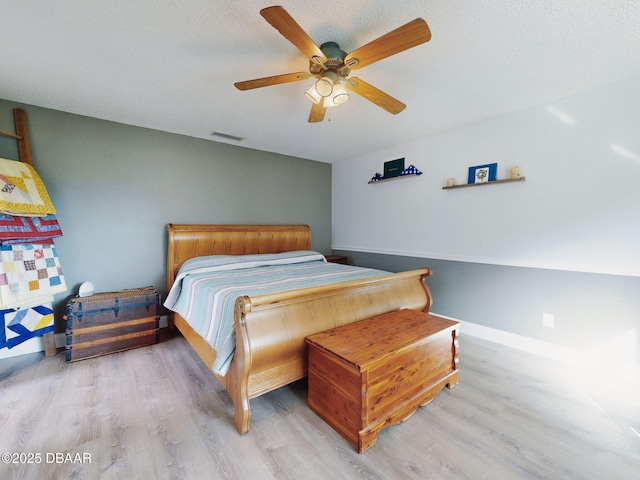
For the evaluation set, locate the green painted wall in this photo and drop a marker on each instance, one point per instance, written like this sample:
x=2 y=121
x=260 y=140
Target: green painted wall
x=116 y=187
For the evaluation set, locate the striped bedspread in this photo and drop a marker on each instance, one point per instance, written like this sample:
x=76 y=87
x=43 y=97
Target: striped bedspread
x=206 y=288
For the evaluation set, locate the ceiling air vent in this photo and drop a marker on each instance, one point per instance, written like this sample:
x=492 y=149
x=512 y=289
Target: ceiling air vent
x=226 y=136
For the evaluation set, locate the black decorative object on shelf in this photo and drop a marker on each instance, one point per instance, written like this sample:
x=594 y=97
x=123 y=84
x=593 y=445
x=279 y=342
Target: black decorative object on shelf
x=393 y=168
x=410 y=171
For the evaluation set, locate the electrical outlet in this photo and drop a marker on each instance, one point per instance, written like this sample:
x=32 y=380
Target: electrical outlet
x=548 y=320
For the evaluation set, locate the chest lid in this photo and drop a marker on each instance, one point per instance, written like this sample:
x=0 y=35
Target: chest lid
x=369 y=341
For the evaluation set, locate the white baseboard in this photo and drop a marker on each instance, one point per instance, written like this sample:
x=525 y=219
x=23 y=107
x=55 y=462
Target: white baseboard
x=624 y=368
x=519 y=342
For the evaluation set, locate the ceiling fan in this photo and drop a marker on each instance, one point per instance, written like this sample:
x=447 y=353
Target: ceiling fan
x=331 y=66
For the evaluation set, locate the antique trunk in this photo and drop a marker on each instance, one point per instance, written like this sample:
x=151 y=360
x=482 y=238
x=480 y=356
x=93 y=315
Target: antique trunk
x=377 y=372
x=111 y=322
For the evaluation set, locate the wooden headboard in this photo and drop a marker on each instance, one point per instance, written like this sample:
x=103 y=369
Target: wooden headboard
x=188 y=241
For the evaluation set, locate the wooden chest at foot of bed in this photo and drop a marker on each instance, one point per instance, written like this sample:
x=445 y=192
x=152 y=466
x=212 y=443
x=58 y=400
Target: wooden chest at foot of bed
x=111 y=322
x=371 y=374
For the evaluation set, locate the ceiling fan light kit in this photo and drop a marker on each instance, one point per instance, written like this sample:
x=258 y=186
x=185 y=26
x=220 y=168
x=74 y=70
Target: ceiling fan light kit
x=340 y=94
x=331 y=65
x=313 y=95
x=324 y=86
x=329 y=90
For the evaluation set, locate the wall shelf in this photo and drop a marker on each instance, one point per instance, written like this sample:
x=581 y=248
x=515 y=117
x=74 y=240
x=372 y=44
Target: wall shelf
x=382 y=180
x=519 y=179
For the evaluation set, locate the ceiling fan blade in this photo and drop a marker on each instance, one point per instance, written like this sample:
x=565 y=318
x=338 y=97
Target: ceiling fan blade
x=317 y=112
x=275 y=80
x=402 y=38
x=374 y=95
x=287 y=26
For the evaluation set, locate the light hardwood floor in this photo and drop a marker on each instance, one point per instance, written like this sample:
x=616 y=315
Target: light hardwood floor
x=156 y=412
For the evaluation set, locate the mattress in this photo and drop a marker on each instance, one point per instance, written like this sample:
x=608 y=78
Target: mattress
x=206 y=289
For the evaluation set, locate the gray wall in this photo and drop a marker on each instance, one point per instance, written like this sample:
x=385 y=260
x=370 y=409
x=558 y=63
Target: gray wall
x=115 y=187
x=593 y=312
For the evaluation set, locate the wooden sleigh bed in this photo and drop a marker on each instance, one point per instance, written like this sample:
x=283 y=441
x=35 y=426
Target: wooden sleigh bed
x=271 y=329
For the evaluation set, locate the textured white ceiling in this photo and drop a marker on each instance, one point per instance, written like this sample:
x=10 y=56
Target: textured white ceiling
x=170 y=64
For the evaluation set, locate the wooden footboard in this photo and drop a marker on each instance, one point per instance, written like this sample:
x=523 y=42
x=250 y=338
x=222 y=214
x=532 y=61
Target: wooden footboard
x=271 y=329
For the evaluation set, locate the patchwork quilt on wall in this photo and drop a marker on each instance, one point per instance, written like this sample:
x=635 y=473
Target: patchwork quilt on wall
x=30 y=272
x=22 y=191
x=17 y=326
x=30 y=275
x=18 y=229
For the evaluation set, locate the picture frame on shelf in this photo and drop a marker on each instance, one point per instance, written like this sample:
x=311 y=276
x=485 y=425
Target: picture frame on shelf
x=483 y=173
x=393 y=168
